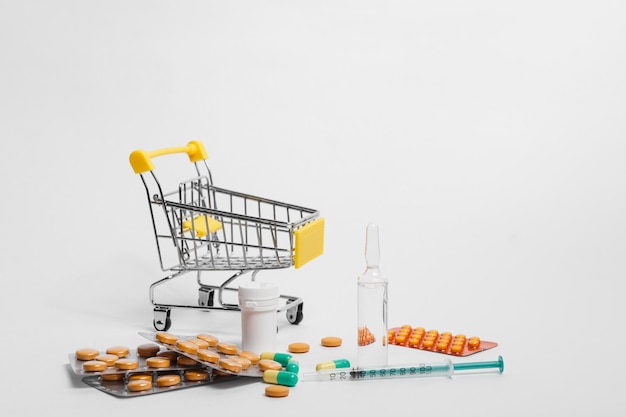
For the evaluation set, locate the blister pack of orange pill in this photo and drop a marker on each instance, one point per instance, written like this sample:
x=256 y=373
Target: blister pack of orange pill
x=440 y=342
x=149 y=369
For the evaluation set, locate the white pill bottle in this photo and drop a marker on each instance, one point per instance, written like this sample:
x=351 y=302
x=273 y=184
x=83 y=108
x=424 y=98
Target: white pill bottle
x=258 y=302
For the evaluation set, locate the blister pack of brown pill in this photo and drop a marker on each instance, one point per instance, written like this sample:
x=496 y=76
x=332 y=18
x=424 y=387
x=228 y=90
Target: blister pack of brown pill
x=135 y=384
x=148 y=369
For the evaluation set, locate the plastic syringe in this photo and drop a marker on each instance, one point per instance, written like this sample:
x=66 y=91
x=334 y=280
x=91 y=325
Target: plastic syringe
x=421 y=370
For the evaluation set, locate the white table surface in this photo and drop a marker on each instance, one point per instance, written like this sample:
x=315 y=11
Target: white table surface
x=486 y=139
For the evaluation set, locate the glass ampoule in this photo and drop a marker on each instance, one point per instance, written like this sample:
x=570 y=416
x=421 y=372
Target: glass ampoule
x=372 y=306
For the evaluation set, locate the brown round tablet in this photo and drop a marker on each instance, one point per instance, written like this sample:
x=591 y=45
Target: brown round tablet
x=331 y=341
x=168 y=380
x=138 y=385
x=147 y=350
x=186 y=361
x=170 y=354
x=94 y=366
x=158 y=362
x=276 y=391
x=298 y=347
x=87 y=354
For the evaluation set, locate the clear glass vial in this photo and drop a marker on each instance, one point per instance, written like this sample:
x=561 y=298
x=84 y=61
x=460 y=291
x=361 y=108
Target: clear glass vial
x=372 y=306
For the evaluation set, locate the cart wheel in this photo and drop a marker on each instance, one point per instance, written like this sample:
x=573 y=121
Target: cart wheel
x=205 y=297
x=294 y=314
x=161 y=320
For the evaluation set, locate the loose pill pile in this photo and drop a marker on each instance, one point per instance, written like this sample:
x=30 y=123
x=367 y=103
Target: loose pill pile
x=434 y=341
x=274 y=368
x=171 y=362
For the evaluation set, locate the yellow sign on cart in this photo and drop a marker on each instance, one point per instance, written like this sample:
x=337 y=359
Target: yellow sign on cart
x=309 y=242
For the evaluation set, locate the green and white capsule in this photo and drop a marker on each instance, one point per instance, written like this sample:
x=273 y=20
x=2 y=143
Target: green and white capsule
x=281 y=358
x=293 y=366
x=288 y=379
x=339 y=363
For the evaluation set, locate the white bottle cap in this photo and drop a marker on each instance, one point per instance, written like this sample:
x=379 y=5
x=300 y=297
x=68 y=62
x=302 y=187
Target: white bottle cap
x=255 y=294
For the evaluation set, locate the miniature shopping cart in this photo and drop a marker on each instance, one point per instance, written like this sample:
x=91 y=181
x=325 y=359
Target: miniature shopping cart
x=202 y=228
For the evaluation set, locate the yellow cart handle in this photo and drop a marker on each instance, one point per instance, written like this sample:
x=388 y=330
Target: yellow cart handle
x=141 y=161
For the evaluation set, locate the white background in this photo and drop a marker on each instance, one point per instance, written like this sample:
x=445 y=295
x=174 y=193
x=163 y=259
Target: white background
x=486 y=138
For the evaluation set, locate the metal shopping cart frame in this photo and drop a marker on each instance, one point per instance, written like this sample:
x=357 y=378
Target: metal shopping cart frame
x=202 y=228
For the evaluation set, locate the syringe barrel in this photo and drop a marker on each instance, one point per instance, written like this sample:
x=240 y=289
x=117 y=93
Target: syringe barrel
x=422 y=370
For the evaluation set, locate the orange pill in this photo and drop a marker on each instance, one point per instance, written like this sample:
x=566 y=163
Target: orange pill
x=414 y=341
x=126 y=364
x=187 y=347
x=331 y=341
x=251 y=356
x=245 y=363
x=428 y=343
x=276 y=391
x=473 y=342
x=138 y=385
x=119 y=351
x=456 y=349
x=94 y=366
x=442 y=346
x=196 y=375
x=140 y=376
x=227 y=348
x=108 y=358
x=208 y=355
x=168 y=380
x=211 y=340
x=267 y=364
x=298 y=347
x=87 y=354
x=230 y=365
x=158 y=362
x=202 y=344
x=165 y=337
